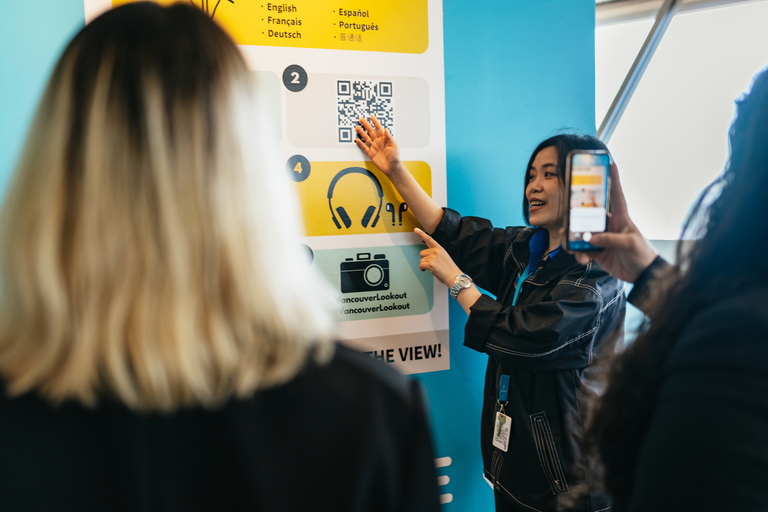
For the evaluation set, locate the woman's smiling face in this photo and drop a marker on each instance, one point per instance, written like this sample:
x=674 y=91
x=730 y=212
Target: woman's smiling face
x=544 y=191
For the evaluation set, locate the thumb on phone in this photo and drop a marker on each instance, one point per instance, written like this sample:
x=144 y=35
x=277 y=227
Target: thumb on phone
x=620 y=241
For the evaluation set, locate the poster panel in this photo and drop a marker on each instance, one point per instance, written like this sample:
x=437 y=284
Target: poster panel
x=319 y=66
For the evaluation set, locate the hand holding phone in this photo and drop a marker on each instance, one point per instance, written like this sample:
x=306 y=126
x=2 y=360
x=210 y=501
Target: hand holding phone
x=626 y=253
x=587 y=180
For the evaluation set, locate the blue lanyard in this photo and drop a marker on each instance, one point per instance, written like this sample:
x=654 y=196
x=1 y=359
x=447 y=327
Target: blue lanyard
x=519 y=283
x=537 y=245
x=504 y=389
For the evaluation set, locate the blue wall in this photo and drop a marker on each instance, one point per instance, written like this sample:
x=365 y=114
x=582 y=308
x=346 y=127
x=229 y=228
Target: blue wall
x=516 y=72
x=32 y=36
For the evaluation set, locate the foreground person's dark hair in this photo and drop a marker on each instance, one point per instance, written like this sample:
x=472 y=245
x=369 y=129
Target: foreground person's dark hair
x=730 y=223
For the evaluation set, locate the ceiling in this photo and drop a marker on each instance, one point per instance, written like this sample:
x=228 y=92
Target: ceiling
x=616 y=11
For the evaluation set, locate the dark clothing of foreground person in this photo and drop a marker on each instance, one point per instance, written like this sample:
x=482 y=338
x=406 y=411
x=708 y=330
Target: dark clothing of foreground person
x=683 y=420
x=316 y=443
x=714 y=394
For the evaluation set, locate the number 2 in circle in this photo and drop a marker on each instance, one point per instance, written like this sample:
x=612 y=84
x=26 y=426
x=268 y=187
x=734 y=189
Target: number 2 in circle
x=295 y=78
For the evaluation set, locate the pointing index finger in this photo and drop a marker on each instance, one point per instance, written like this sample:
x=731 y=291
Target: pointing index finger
x=427 y=239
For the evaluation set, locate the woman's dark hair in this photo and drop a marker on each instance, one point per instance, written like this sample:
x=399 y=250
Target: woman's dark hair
x=178 y=45
x=710 y=270
x=563 y=143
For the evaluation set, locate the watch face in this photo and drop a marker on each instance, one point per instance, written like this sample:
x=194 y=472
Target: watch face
x=462 y=282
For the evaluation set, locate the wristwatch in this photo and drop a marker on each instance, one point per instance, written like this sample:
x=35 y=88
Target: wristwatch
x=462 y=281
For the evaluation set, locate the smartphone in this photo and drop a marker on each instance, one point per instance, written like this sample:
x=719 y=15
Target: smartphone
x=588 y=181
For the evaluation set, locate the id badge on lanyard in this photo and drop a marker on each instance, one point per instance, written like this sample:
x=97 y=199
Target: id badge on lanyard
x=503 y=424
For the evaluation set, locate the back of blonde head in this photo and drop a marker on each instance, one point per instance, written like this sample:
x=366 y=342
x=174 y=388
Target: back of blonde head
x=148 y=245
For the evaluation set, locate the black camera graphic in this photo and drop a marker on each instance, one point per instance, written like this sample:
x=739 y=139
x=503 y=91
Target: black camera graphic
x=364 y=274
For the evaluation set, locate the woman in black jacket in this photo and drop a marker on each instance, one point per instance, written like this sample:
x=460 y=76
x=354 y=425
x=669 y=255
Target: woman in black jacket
x=549 y=317
x=683 y=422
x=163 y=344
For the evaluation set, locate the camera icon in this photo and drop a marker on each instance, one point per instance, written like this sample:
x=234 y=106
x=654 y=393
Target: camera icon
x=364 y=274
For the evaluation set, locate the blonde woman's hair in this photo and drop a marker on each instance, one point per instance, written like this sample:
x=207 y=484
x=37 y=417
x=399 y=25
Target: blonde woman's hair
x=149 y=248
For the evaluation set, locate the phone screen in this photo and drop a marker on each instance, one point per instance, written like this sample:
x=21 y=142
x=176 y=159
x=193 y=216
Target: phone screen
x=589 y=198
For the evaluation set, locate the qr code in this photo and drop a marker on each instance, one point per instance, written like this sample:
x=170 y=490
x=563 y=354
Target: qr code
x=363 y=98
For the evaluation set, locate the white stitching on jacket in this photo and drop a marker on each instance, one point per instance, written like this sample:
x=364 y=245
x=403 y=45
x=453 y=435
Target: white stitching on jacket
x=509 y=249
x=542 y=438
x=568 y=342
x=540 y=354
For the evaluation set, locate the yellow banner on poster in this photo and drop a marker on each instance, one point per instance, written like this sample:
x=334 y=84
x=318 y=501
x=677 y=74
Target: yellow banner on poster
x=352 y=198
x=398 y=26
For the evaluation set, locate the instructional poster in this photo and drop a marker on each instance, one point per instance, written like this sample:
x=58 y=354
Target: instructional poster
x=319 y=66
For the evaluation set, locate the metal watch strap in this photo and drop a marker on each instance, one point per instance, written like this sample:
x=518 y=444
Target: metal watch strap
x=462 y=282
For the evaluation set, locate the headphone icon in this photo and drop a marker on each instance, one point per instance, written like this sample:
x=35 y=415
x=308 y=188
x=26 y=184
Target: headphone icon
x=368 y=212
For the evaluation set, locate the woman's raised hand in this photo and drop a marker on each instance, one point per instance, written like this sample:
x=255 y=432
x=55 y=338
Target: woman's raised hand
x=379 y=145
x=381 y=148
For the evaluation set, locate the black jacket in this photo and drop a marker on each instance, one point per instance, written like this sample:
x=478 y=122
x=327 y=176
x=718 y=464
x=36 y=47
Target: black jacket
x=348 y=436
x=546 y=344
